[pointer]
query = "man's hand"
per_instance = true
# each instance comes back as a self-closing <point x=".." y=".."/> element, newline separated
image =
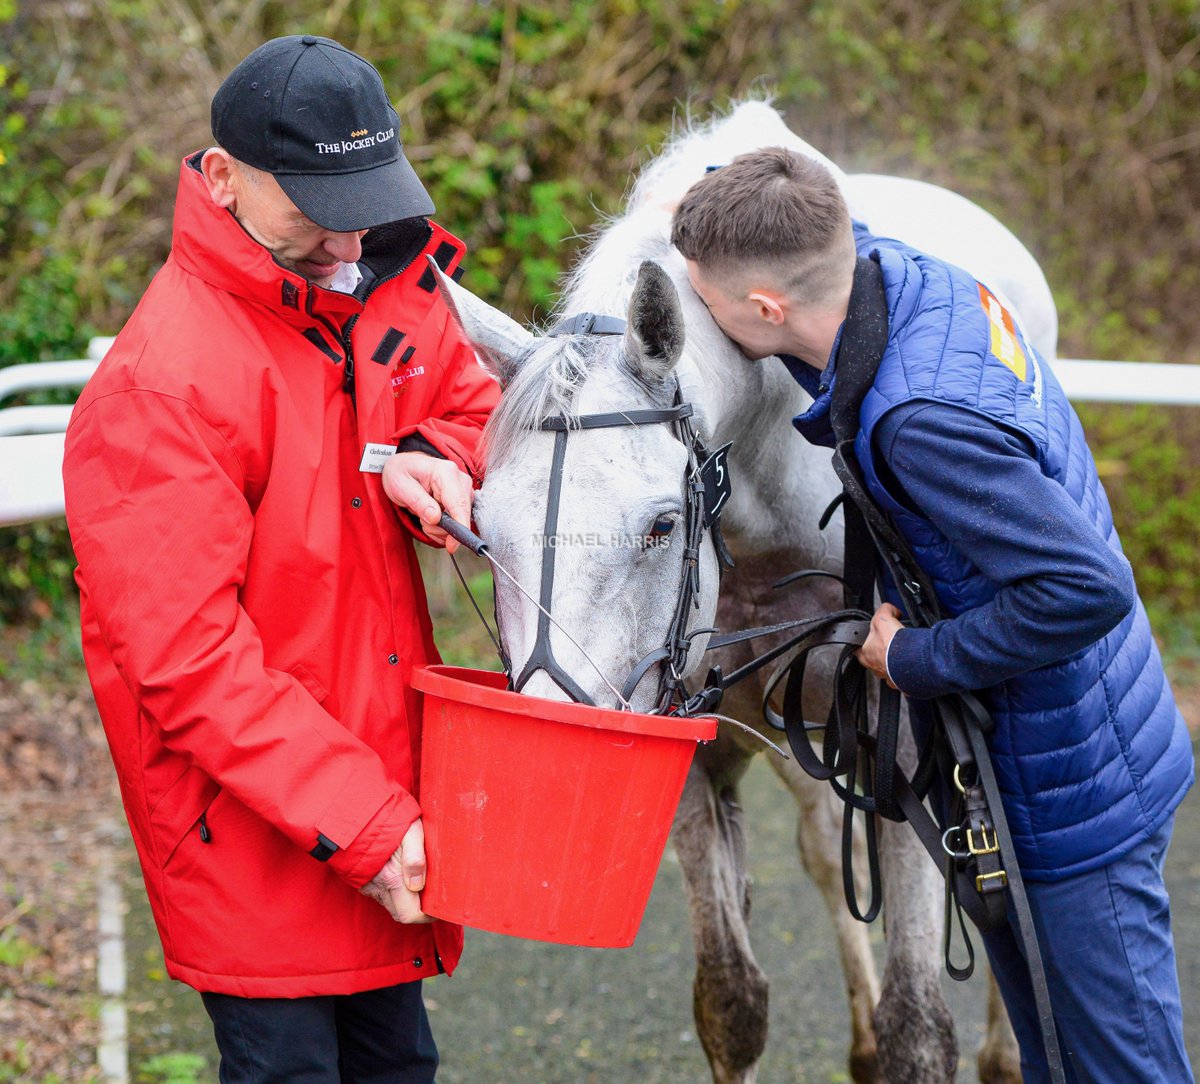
<point x="873" y="653"/>
<point x="428" y="486"/>
<point x="402" y="877"/>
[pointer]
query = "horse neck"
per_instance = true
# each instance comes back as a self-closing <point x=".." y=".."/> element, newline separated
<point x="781" y="483"/>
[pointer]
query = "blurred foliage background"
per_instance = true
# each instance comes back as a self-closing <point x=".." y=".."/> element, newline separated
<point x="1076" y="122"/>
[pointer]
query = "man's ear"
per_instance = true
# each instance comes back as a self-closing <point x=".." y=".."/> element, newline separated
<point x="218" y="170"/>
<point x="772" y="307"/>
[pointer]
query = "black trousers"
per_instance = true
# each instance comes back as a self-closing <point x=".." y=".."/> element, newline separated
<point x="376" y="1037"/>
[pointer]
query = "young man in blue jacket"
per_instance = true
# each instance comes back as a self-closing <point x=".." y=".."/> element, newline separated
<point x="967" y="440"/>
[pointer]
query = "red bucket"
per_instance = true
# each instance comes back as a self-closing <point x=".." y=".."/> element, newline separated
<point x="543" y="819"/>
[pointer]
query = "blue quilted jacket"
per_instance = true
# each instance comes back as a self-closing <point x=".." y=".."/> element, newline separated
<point x="1091" y="752"/>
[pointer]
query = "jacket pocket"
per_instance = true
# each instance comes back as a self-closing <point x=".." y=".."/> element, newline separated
<point x="179" y="810"/>
<point x="303" y="675"/>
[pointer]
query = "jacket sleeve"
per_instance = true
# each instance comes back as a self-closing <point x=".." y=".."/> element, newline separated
<point x="162" y="531"/>
<point x="1060" y="585"/>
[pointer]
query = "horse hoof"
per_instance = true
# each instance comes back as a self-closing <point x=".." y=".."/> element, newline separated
<point x="864" y="1067"/>
<point x="998" y="1067"/>
<point x="915" y="1034"/>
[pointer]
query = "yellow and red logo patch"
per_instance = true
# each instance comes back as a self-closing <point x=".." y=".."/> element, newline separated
<point x="1004" y="344"/>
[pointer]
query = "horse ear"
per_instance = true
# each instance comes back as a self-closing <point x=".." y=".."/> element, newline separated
<point x="499" y="341"/>
<point x="654" y="337"/>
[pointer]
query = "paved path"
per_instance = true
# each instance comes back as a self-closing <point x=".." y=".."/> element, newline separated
<point x="520" y="1012"/>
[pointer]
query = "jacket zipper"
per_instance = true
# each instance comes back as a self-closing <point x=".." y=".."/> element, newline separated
<point x="343" y="337"/>
<point x="205" y="834"/>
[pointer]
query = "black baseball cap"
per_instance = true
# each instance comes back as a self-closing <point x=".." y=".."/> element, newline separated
<point x="317" y="118"/>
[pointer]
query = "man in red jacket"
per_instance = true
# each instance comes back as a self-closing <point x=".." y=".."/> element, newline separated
<point x="289" y="403"/>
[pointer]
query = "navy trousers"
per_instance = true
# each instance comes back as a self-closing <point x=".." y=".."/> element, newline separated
<point x="1105" y="939"/>
<point x="376" y="1037"/>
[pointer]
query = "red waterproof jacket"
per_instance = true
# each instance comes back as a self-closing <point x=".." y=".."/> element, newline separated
<point x="251" y="603"/>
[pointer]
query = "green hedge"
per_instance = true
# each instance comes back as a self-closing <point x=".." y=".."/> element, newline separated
<point x="1073" y="122"/>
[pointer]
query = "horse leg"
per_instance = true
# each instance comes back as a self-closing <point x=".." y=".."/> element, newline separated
<point x="818" y="833"/>
<point x="999" y="1057"/>
<point x="913" y="1024"/>
<point x="730" y="989"/>
<point x="917" y="1043"/>
<point x="818" y="828"/>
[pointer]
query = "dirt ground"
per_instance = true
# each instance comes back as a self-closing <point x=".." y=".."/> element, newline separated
<point x="58" y="806"/>
<point x="59" y="811"/>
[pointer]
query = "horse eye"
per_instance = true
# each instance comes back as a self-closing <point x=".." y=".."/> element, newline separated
<point x="663" y="526"/>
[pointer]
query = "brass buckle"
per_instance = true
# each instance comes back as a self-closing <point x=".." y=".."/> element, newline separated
<point x="979" y="885"/>
<point x="986" y="846"/>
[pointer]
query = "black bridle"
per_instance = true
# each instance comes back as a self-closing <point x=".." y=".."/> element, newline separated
<point x="701" y="509"/>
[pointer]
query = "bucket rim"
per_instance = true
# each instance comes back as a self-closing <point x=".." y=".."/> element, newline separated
<point x="488" y="689"/>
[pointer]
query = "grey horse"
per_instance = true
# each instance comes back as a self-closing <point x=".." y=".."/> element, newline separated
<point x="627" y="482"/>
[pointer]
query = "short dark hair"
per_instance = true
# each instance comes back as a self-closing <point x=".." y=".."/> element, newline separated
<point x="770" y="207"/>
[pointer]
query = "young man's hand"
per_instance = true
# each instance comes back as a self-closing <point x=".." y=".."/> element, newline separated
<point x="428" y="486"/>
<point x="873" y="653"/>
<point x="397" y="885"/>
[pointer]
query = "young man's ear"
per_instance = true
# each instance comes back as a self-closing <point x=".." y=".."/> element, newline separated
<point x="219" y="175"/>
<point x="771" y="306"/>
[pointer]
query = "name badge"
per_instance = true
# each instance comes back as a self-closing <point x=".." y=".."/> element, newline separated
<point x="374" y="456"/>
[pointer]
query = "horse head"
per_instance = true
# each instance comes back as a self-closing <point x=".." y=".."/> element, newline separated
<point x="589" y="501"/>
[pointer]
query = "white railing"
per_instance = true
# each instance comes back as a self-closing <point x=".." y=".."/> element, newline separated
<point x="31" y="437"/>
<point x="1089" y="381"/>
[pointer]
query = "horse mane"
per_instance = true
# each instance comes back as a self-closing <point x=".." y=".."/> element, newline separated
<point x="607" y="270"/>
<point x="548" y="378"/>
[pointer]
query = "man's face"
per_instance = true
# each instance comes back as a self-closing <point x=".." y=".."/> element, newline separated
<point x="297" y="243"/>
<point x="742" y="317"/>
